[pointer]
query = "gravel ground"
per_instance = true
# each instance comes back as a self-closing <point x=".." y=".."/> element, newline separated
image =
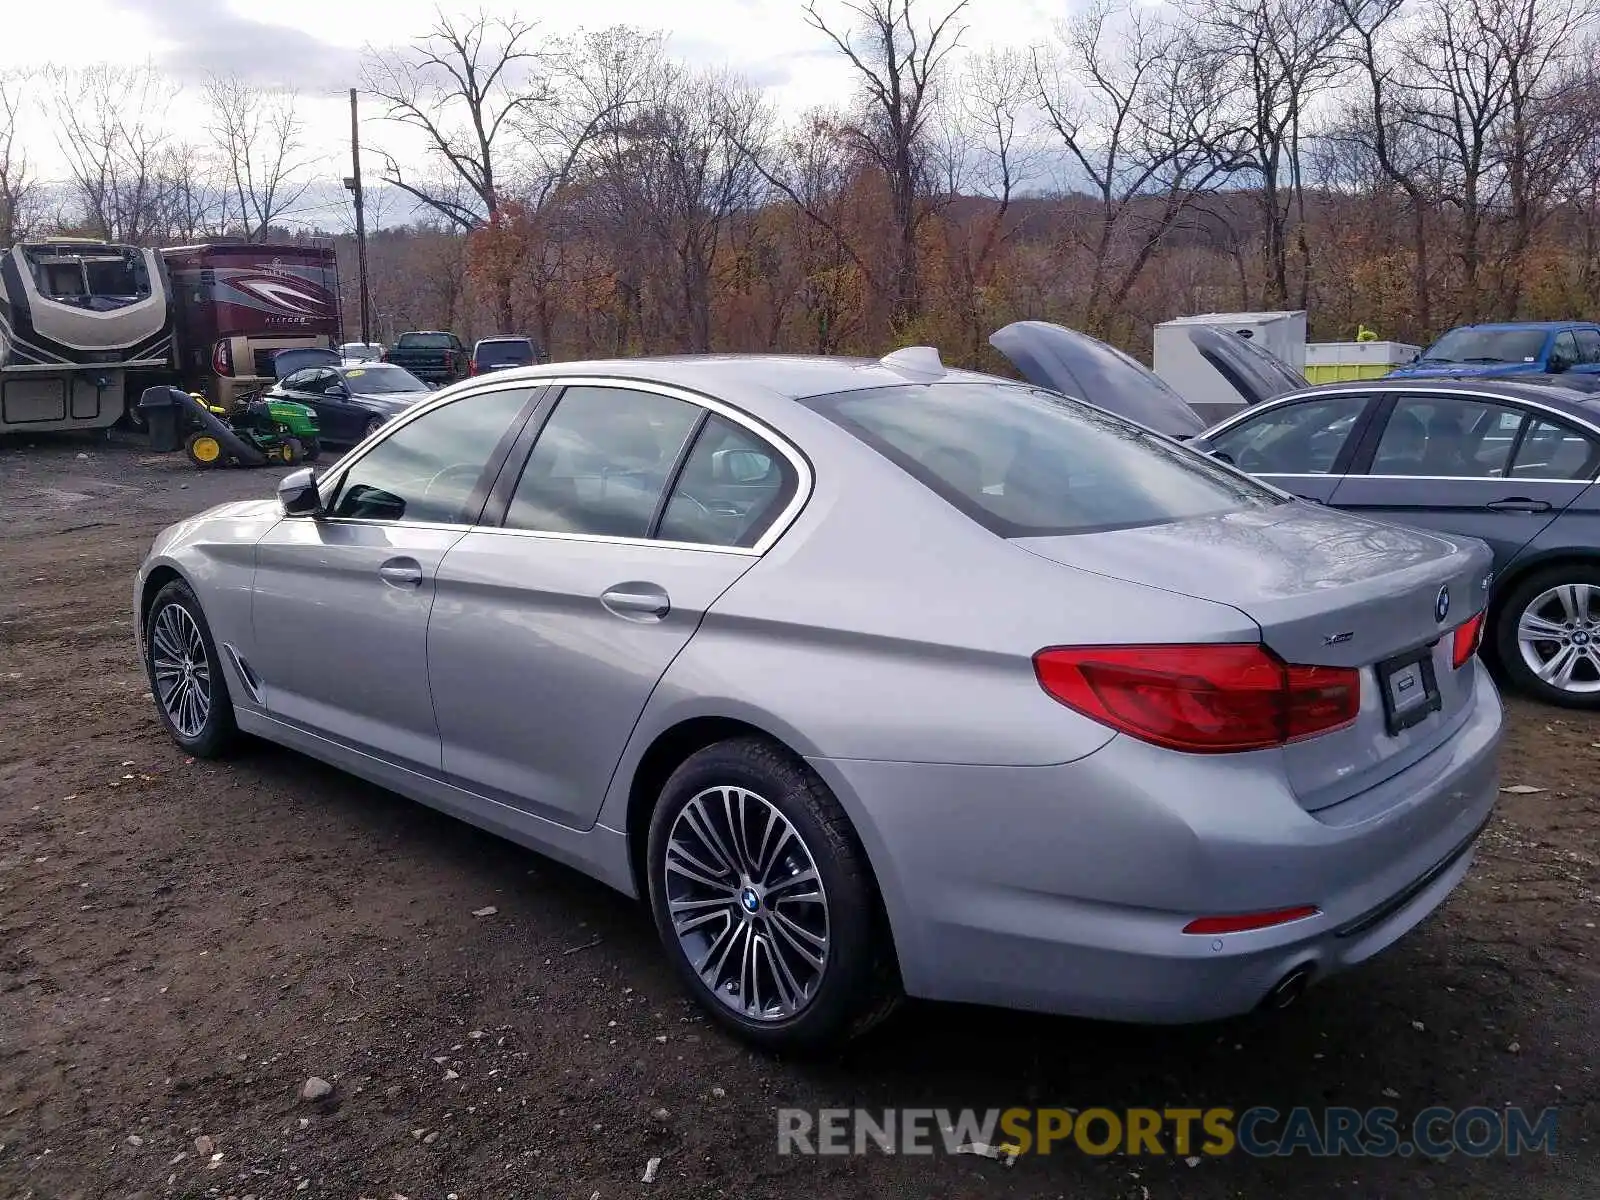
<point x="183" y="944"/>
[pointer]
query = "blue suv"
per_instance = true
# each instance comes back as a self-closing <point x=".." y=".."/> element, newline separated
<point x="1510" y="348"/>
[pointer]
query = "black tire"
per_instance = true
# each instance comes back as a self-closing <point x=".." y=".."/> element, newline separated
<point x="312" y="450"/>
<point x="218" y="733"/>
<point x="292" y="450"/>
<point x="858" y="985"/>
<point x="1584" y="636"/>
<point x="372" y="427"/>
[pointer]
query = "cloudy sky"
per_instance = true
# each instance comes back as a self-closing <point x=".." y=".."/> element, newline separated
<point x="315" y="46"/>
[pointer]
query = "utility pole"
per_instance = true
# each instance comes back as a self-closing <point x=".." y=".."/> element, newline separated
<point x="353" y="184"/>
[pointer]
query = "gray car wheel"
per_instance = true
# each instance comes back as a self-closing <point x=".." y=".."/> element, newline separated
<point x="764" y="900"/>
<point x="186" y="681"/>
<point x="1547" y="636"/>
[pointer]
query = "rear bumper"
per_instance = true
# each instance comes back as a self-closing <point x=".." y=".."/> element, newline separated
<point x="1065" y="889"/>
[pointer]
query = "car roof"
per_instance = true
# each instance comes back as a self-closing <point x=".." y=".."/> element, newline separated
<point x="504" y="337"/>
<point x="1544" y="391"/>
<point x="1543" y="325"/>
<point x="732" y="376"/>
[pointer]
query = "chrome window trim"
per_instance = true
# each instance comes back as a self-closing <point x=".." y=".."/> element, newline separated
<point x="804" y="479"/>
<point x="1474" y="394"/>
<point x="804" y="483"/>
<point x="1471" y="394"/>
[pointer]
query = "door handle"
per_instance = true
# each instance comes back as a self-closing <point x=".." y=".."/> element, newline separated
<point x="401" y="572"/>
<point x="636" y="602"/>
<point x="1519" y="504"/>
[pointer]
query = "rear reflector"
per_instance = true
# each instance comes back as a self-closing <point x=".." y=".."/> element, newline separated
<point x="1205" y="699"/>
<point x="1241" y="922"/>
<point x="1468" y="637"/>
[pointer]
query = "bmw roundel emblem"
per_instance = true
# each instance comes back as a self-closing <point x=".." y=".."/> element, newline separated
<point x="1441" y="606"/>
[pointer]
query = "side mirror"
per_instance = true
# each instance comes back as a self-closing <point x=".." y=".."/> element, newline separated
<point x="297" y="494"/>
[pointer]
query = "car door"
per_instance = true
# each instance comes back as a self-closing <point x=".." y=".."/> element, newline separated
<point x="1479" y="465"/>
<point x="555" y="621"/>
<point x="346" y="418"/>
<point x="1302" y="446"/>
<point x="341" y="602"/>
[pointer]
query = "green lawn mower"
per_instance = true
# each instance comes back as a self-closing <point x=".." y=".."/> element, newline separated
<point x="256" y="432"/>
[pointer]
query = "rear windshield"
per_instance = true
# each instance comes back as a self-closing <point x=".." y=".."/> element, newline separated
<point x="1488" y="346"/>
<point x="383" y="377"/>
<point x="425" y="341"/>
<point x="520" y="353"/>
<point x="1024" y="462"/>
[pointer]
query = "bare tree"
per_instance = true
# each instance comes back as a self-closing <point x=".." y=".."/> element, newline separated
<point x="898" y="62"/>
<point x="1136" y="110"/>
<point x="111" y="127"/>
<point x="1274" y="57"/>
<point x="16" y="180"/>
<point x="463" y="87"/>
<point x="260" y="140"/>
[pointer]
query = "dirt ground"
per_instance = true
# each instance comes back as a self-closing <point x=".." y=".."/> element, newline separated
<point x="183" y="944"/>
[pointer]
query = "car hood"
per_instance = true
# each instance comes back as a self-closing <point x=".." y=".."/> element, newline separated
<point x="1075" y="364"/>
<point x="286" y="362"/>
<point x="388" y="403"/>
<point x="1253" y="371"/>
<point x="1465" y="370"/>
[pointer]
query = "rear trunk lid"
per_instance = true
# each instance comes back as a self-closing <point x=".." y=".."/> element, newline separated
<point x="1326" y="589"/>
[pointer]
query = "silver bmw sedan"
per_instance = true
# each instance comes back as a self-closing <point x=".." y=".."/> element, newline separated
<point x="871" y="678"/>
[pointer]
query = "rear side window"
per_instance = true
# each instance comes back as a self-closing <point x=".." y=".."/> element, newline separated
<point x="732" y="487"/>
<point x="1029" y="463"/>
<point x="520" y="353"/>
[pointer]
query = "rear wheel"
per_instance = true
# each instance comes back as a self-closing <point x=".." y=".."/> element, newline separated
<point x="203" y="450"/>
<point x="1547" y="636"/>
<point x="764" y="901"/>
<point x="185" y="673"/>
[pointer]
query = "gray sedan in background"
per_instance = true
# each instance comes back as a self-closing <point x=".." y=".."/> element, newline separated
<point x="870" y="677"/>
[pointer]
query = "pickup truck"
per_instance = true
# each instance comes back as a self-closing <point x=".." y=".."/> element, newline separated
<point x="431" y="355"/>
<point x="1509" y="348"/>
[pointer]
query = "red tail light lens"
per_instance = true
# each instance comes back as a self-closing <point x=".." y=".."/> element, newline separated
<point x="1246" y="921"/>
<point x="1468" y="637"/>
<point x="473" y="368"/>
<point x="1205" y="699"/>
<point x="222" y="358"/>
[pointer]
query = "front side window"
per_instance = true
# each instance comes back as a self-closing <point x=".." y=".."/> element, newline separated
<point x="429" y="468"/>
<point x="1293" y="439"/>
<point x="601" y="463"/>
<point x="1564" y="353"/>
<point x="1024" y="462"/>
<point x="1588" y="345"/>
<point x="1447" y="438"/>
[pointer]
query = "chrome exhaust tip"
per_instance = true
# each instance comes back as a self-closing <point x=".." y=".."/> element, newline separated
<point x="1289" y="989"/>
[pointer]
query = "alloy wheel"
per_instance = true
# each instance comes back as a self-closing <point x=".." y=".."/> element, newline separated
<point x="747" y="904"/>
<point x="181" y="670"/>
<point x="1558" y="636"/>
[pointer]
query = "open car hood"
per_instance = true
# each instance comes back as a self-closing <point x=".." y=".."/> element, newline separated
<point x="1254" y="372"/>
<point x="286" y="362"/>
<point x="1064" y="360"/>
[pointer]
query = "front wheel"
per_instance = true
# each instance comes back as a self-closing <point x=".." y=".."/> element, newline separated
<point x="764" y="901"/>
<point x="1547" y="636"/>
<point x="203" y="450"/>
<point x="371" y="427"/>
<point x="185" y="673"/>
<point x="311" y="450"/>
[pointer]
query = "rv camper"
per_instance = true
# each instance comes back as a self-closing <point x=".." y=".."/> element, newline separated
<point x="239" y="304"/>
<point x="77" y="317"/>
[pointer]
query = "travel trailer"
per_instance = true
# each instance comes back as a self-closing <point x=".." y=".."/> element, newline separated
<point x="78" y="317"/>
<point x="239" y="303"/>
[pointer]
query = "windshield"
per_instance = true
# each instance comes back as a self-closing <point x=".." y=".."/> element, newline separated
<point x="1024" y="462"/>
<point x="425" y="341"/>
<point x="1488" y="346"/>
<point x="519" y="352"/>
<point x="381" y="378"/>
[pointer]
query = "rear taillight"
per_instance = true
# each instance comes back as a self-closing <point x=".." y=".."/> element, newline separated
<point x="1205" y="699"/>
<point x="472" y="368"/>
<point x="1468" y="637"/>
<point x="383" y="355"/>
<point x="222" y="358"/>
